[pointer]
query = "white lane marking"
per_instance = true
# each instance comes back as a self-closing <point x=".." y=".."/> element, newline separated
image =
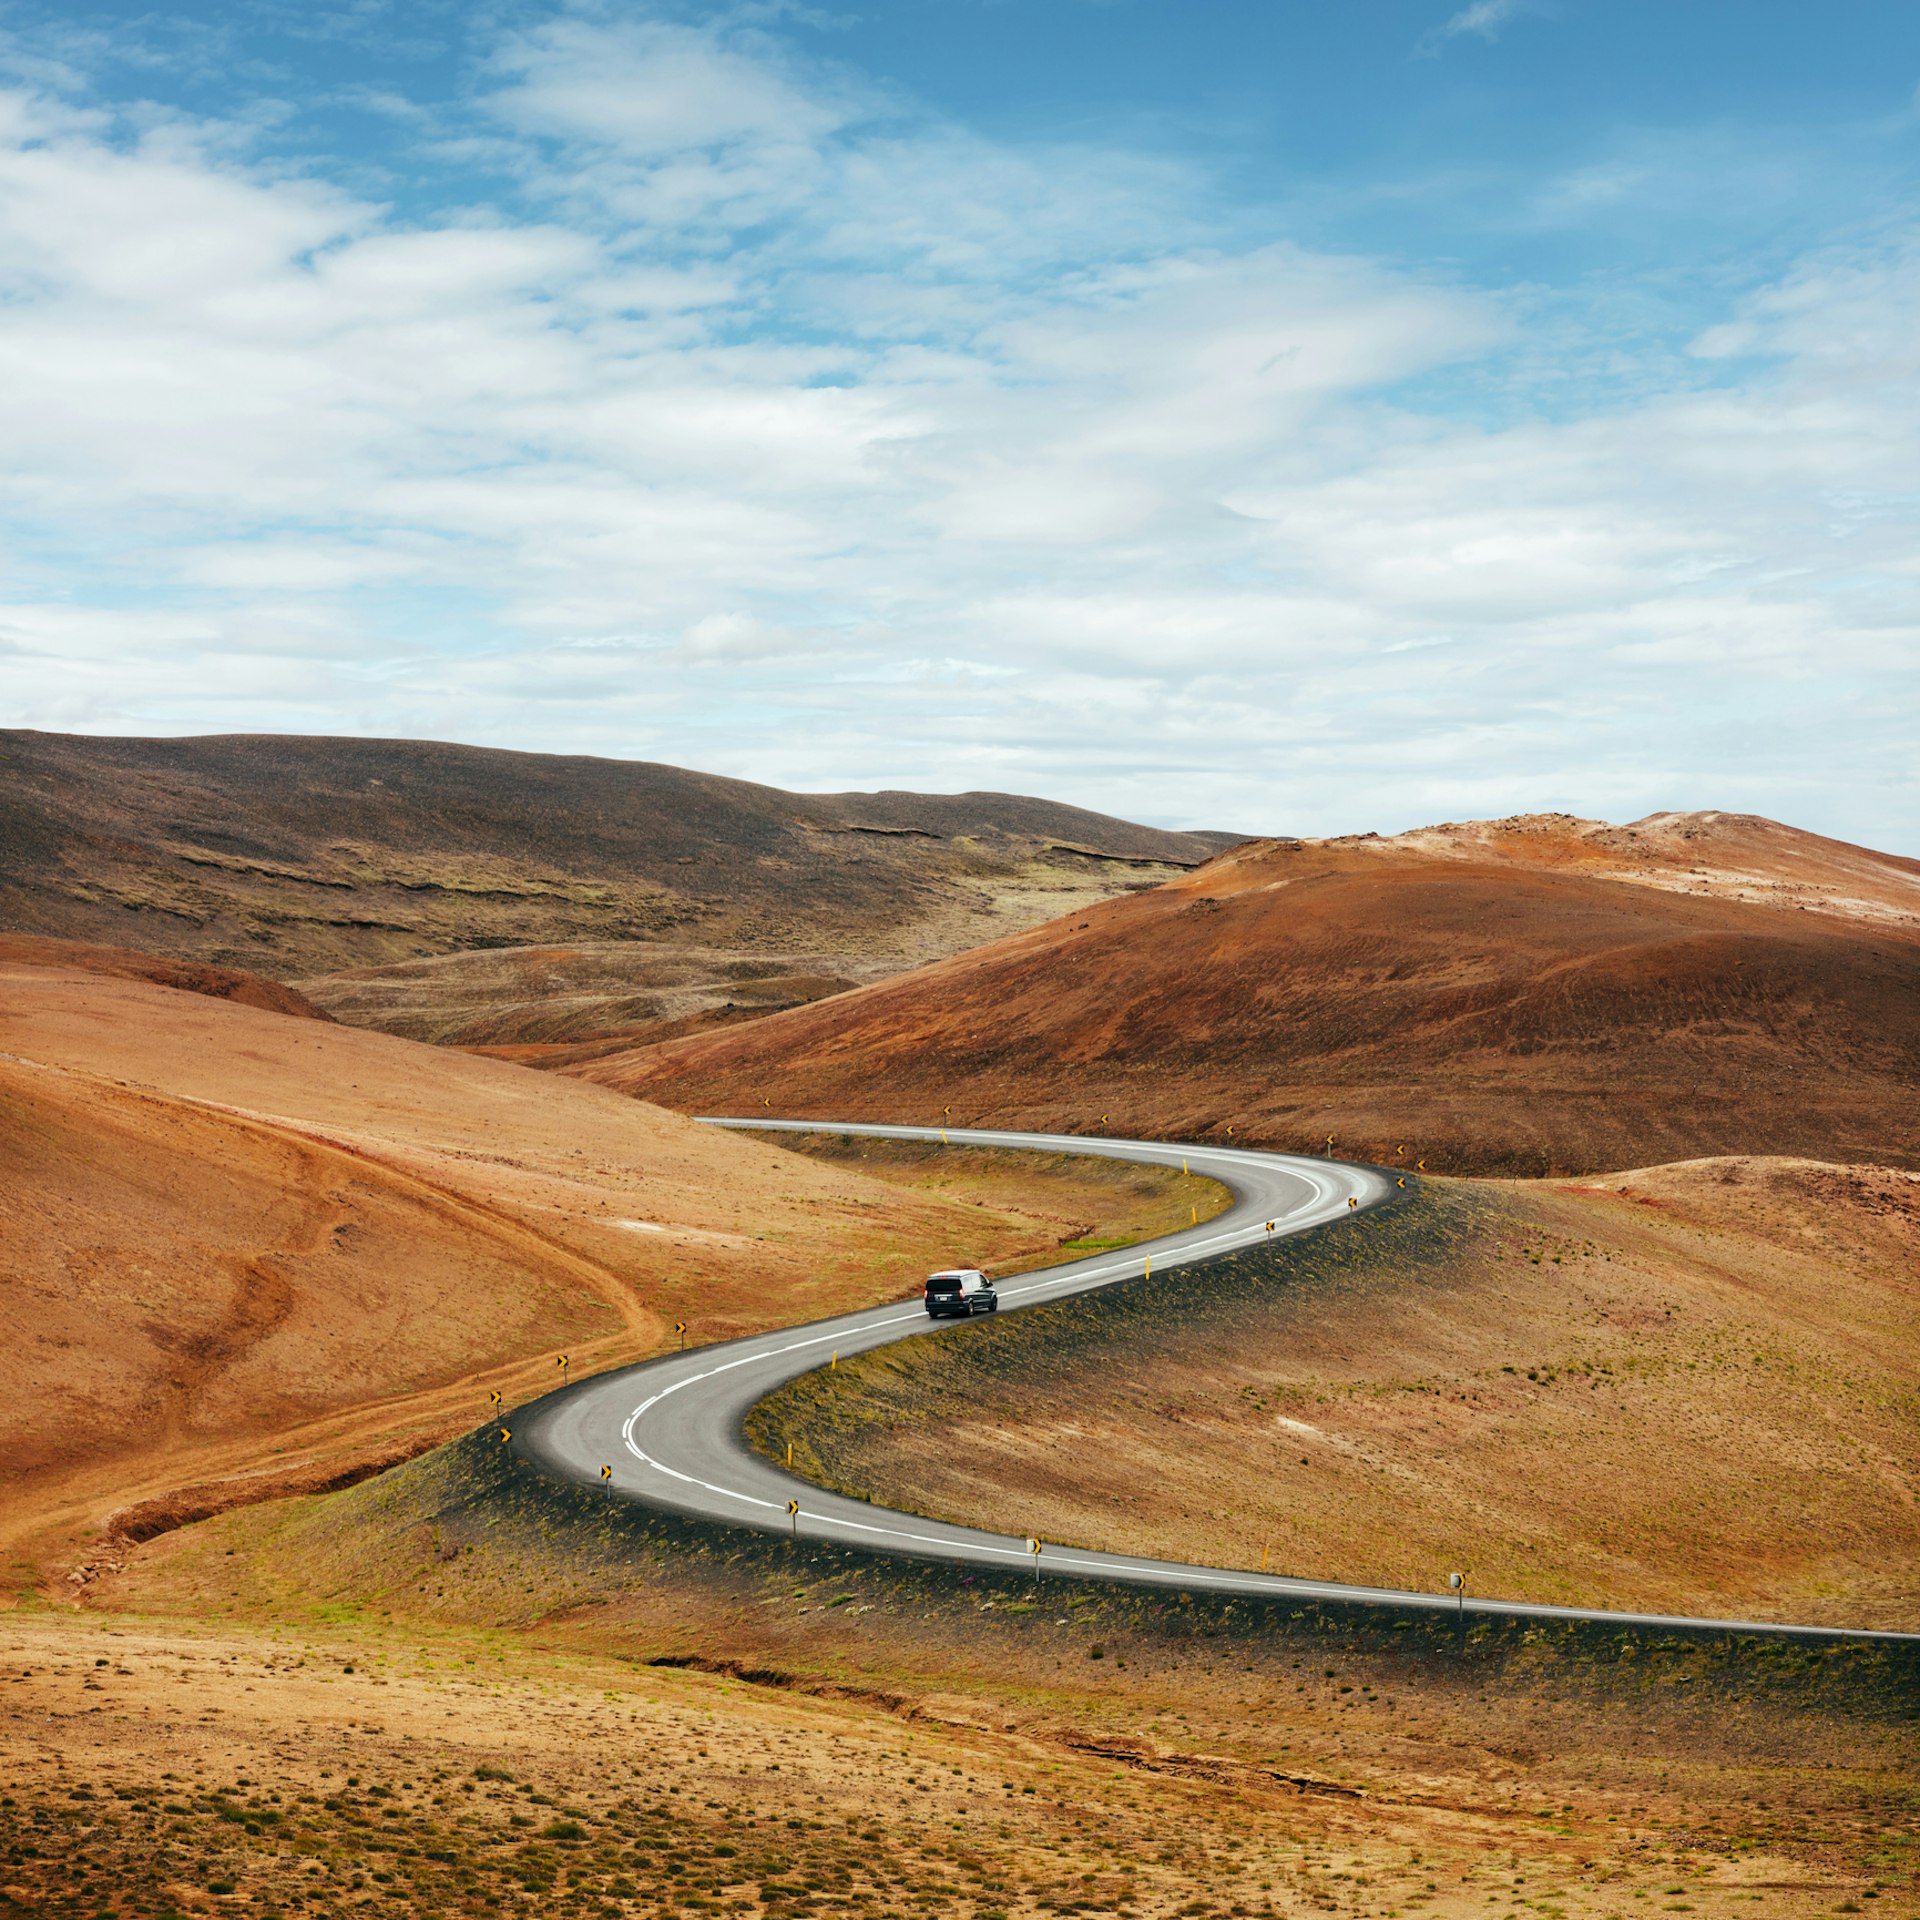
<point x="1169" y="1573"/>
<point x="1323" y="1192"/>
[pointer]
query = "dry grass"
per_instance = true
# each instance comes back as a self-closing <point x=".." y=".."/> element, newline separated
<point x="1689" y="1389"/>
<point x="1087" y="1204"/>
<point x="380" y="1658"/>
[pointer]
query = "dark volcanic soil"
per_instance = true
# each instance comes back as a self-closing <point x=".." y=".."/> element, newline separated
<point x="1536" y="996"/>
<point x="297" y="856"/>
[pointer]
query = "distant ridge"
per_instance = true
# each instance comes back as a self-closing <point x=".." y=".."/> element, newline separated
<point x="293" y="856"/>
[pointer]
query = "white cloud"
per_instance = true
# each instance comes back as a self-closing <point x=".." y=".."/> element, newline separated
<point x="655" y="89"/>
<point x="763" y="397"/>
<point x="1483" y="17"/>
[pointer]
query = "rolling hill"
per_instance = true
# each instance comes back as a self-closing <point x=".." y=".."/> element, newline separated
<point x="1529" y="996"/>
<point x="246" y="1251"/>
<point x="296" y="856"/>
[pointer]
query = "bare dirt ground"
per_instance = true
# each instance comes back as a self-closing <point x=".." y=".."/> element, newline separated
<point x="1685" y="1389"/>
<point x="538" y="1004"/>
<point x="1529" y="997"/>
<point x="187" y="976"/>
<point x="245" y="1253"/>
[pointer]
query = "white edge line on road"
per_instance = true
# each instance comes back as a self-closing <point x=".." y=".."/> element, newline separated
<point x="1324" y="1192"/>
<point x="1320" y="1210"/>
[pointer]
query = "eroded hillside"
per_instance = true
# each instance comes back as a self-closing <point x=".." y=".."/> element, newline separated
<point x="608" y="882"/>
<point x="1535" y="996"/>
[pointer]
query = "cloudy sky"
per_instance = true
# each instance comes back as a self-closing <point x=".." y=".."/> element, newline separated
<point x="1265" y="414"/>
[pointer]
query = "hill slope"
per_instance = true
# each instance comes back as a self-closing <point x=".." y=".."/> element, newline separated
<point x="1529" y="996"/>
<point x="187" y="976"/>
<point x="240" y="1250"/>
<point x="297" y="856"/>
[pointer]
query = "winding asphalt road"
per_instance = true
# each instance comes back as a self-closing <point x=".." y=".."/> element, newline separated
<point x="671" y="1429"/>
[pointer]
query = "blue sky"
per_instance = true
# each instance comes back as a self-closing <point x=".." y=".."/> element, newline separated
<point x="1289" y="417"/>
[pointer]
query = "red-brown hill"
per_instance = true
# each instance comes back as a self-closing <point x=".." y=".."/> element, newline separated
<point x="186" y="976"/>
<point x="242" y="1254"/>
<point x="1527" y="996"/>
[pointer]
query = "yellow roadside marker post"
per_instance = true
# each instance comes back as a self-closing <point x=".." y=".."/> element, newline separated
<point x="833" y="1365"/>
<point x="1264" y="1551"/>
<point x="789" y="1453"/>
<point x="793" y="1514"/>
<point x="1148" y="1275"/>
<point x="1196" y="1216"/>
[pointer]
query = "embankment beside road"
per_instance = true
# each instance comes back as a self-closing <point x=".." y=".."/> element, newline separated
<point x="1681" y="1390"/>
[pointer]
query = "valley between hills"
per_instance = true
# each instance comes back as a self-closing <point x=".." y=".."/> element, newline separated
<point x="292" y="1185"/>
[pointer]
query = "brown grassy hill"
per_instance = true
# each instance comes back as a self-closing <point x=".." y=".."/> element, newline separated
<point x="240" y="1251"/>
<point x="1531" y="996"/>
<point x="296" y="856"/>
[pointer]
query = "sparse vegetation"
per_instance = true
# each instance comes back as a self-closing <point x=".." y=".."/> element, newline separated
<point x="1499" y="1377"/>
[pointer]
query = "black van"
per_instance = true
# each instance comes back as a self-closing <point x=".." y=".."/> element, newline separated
<point x="960" y="1290"/>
